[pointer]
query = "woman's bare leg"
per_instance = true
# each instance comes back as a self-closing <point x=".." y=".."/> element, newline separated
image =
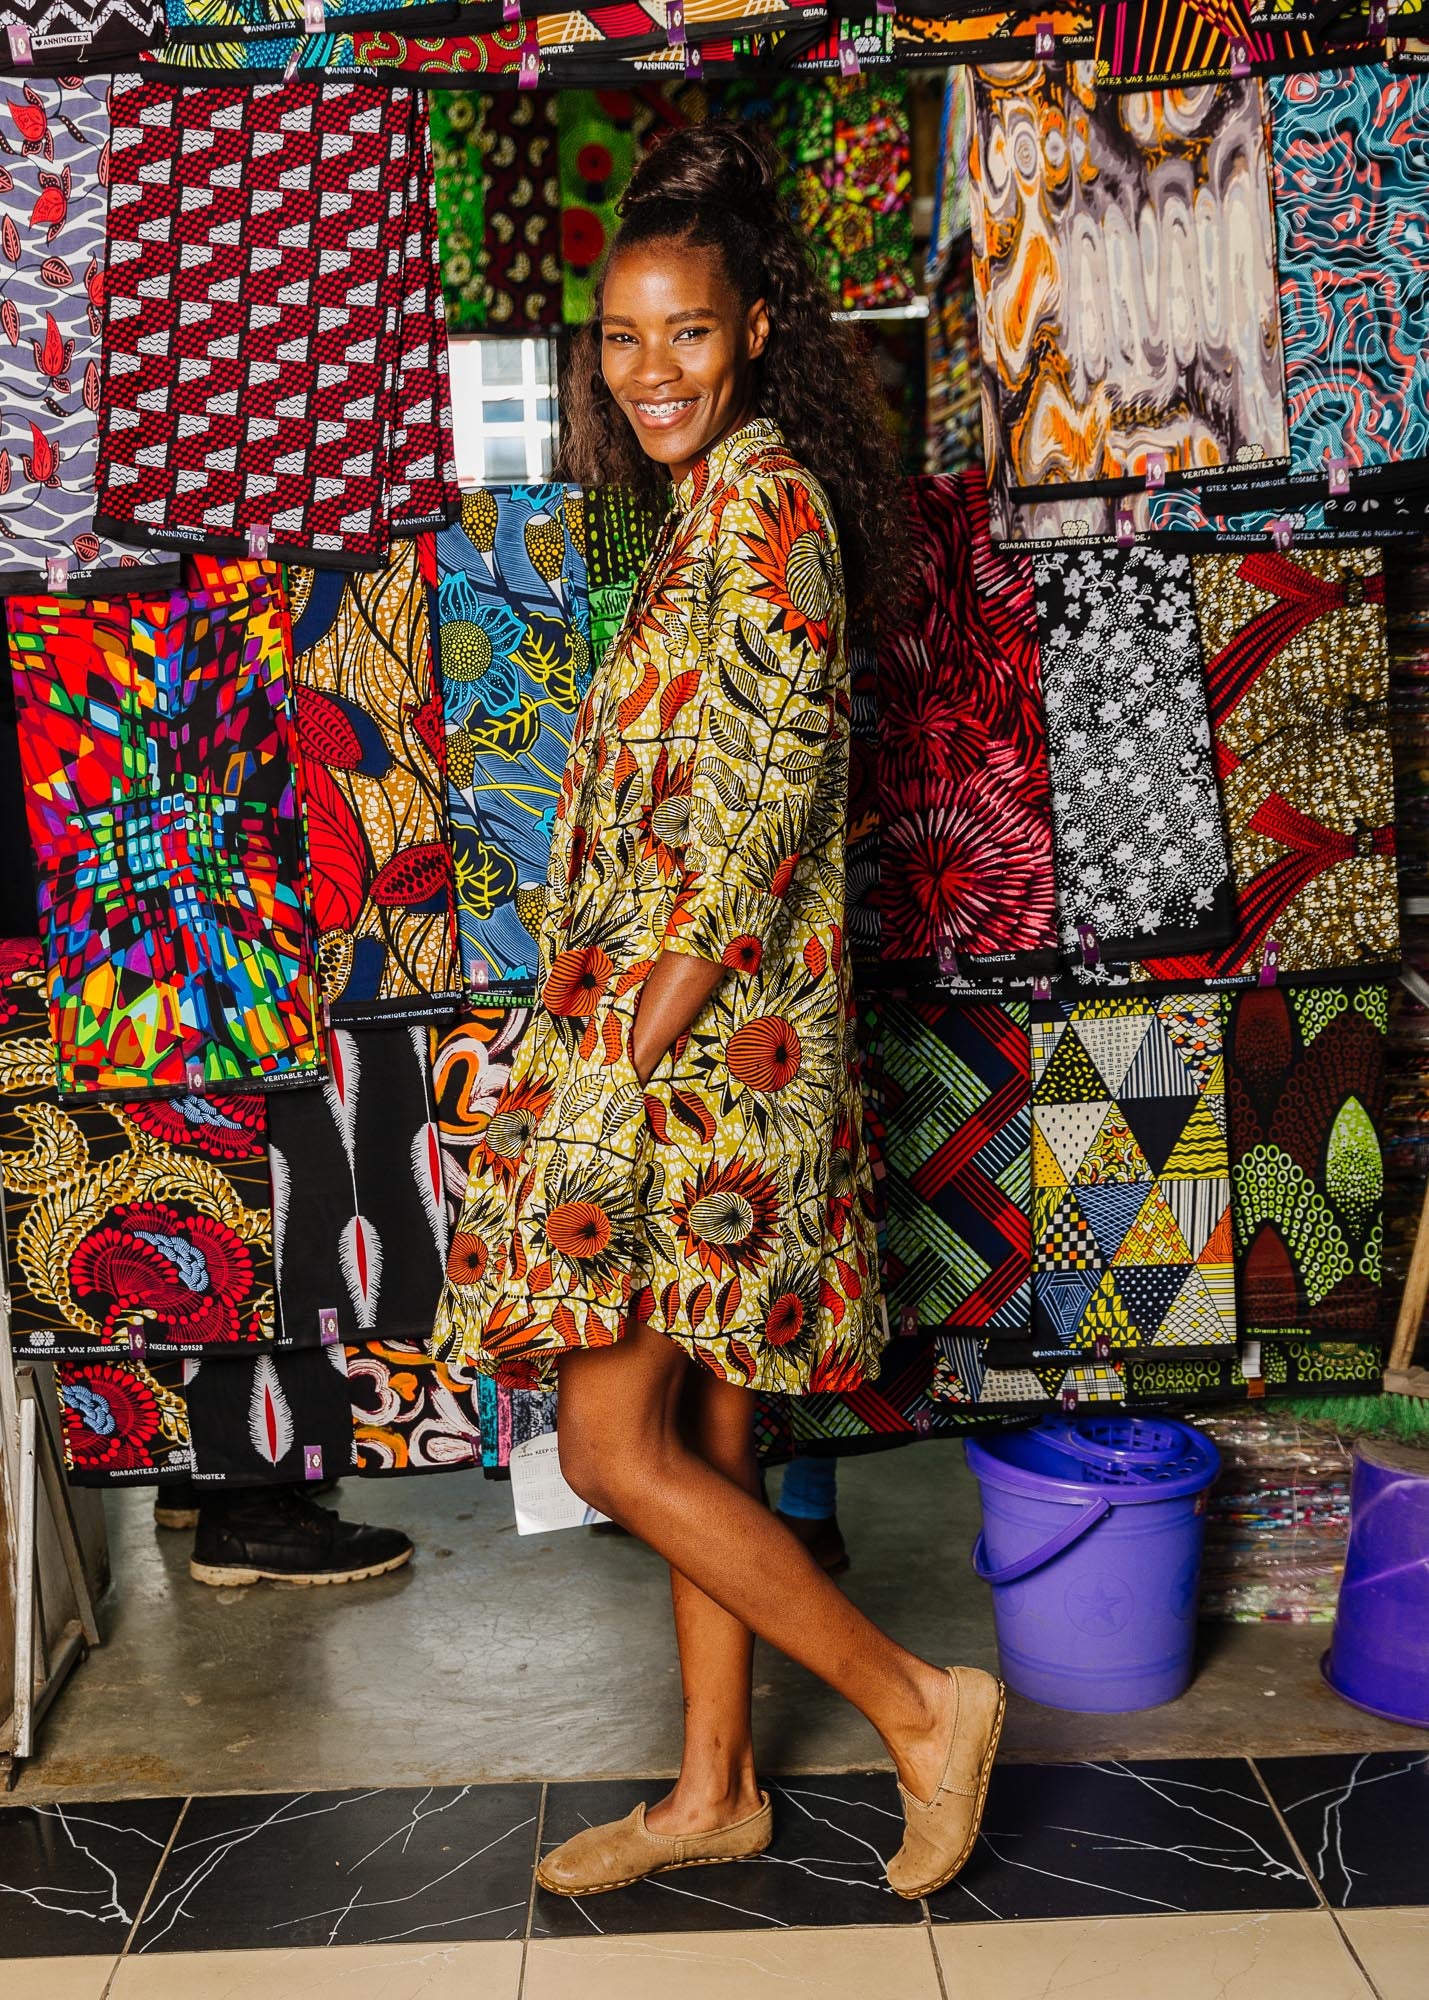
<point x="622" y="1450"/>
<point x="717" y="1785"/>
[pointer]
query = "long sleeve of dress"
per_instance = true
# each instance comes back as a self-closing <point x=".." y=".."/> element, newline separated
<point x="771" y="759"/>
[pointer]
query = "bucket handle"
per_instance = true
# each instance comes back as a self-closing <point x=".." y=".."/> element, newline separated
<point x="1081" y="1524"/>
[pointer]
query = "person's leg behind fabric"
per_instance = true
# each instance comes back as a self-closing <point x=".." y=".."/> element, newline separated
<point x="808" y="1507"/>
<point x="622" y="1450"/>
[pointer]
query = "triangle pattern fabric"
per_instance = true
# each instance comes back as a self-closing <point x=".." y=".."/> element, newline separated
<point x="1067" y="1243"/>
<point x="1112" y="1045"/>
<point x="1192" y="1320"/>
<point x="1047" y="1169"/>
<point x="1114" y="1154"/>
<point x="1149" y="1290"/>
<point x="1155" y="1237"/>
<point x="1200" y="1152"/>
<point x="1059" y="1300"/>
<point x="1200" y="1211"/>
<point x="1158" y="1123"/>
<point x="1111" y="1210"/>
<point x="1107" y="1317"/>
<point x="1071" y="1077"/>
<point x="1158" y="1070"/>
<point x="1069" y="1130"/>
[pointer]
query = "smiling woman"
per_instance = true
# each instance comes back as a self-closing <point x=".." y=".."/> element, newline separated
<point x="684" y="1213"/>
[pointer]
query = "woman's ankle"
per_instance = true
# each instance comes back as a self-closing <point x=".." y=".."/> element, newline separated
<point x="700" y="1802"/>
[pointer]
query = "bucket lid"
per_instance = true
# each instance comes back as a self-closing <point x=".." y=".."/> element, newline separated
<point x="1143" y="1458"/>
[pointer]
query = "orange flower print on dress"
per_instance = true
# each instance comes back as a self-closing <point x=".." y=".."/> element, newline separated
<point x="727" y="1200"/>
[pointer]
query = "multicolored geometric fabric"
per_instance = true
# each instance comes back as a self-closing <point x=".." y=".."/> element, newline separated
<point x="237" y="20"/>
<point x="620" y="534"/>
<point x="456" y="121"/>
<point x="1140" y="43"/>
<point x="52" y="206"/>
<point x="1287" y="1368"/>
<point x="359" y="1223"/>
<point x="702" y="809"/>
<point x="65" y="36"/>
<point x="1346" y="147"/>
<point x="373" y="747"/>
<point x="1299" y="681"/>
<point x="954" y="405"/>
<point x="260" y="376"/>
<point x="965" y="840"/>
<point x="964" y="34"/>
<point x="144" y="1227"/>
<point x="1131" y="1241"/>
<point x="1087" y="364"/>
<point x="515" y="664"/>
<point x="968" y="1372"/>
<point x="957" y="1096"/>
<point x="1142" y="857"/>
<point x="853" y="188"/>
<point x="157" y="741"/>
<point x="1305" y="1091"/>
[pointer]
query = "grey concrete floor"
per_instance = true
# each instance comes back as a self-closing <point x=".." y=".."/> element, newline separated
<point x="495" y="1657"/>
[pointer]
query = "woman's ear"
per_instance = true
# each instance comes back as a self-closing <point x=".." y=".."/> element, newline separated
<point x="758" y="329"/>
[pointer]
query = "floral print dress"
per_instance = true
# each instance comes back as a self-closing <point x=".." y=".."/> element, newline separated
<point x="702" y="811"/>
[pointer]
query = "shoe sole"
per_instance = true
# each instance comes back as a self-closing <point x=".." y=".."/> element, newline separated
<point x="176" y="1517"/>
<point x="220" y="1574"/>
<point x="665" y="1868"/>
<point x="984" y="1777"/>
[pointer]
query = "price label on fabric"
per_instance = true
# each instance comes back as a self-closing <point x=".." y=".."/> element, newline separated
<point x="19" y="40"/>
<point x="675" y="23"/>
<point x="1339" y="470"/>
<point x="1240" y="58"/>
<point x="543" y="1500"/>
<point x="328" y="1329"/>
<point x="510" y="11"/>
<point x="195" y="1079"/>
<point x="312" y="1461"/>
<point x="1044" y="41"/>
<point x="1155" y="471"/>
<point x="314" y="17"/>
<point x="57" y="574"/>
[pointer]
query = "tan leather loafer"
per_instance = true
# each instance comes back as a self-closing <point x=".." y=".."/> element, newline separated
<point x="940" y="1833"/>
<point x="626" y="1851"/>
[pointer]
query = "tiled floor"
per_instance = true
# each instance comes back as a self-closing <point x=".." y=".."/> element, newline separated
<point x="1297" y="1878"/>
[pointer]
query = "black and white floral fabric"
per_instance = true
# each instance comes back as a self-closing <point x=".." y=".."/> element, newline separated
<point x="1141" y="849"/>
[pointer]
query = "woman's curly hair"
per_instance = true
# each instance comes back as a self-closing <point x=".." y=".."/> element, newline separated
<point x="716" y="186"/>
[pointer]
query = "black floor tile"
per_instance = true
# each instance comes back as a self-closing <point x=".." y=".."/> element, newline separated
<point x="1361" y="1822"/>
<point x="833" y="1838"/>
<point x="1118" y="1839"/>
<point x="72" y="1877"/>
<point x="321" y="1868"/>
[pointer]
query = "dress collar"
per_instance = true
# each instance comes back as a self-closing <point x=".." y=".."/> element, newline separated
<point x="725" y="461"/>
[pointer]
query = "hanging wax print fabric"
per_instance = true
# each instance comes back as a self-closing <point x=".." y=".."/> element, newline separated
<point x="1131" y="1225"/>
<point x="156" y="739"/>
<point x="603" y="134"/>
<point x="1305" y="1090"/>
<point x="965" y="34"/>
<point x="1140" y="43"/>
<point x="370" y="731"/>
<point x="1348" y="148"/>
<point x="53" y="136"/>
<point x="1111" y="367"/>
<point x="143" y="1226"/>
<point x="270" y="384"/>
<point x="1299" y="681"/>
<point x="410" y="1412"/>
<point x="1142" y="857"/>
<point x="456" y="118"/>
<point x="521" y="243"/>
<point x="957" y="1099"/>
<point x="271" y="1421"/>
<point x="48" y="37"/>
<point x="359" y="1223"/>
<point x="620" y="533"/>
<point x="872" y="217"/>
<point x="965" y="841"/>
<point x="515" y="665"/>
<point x="123" y="1420"/>
<point x="1286" y="1368"/>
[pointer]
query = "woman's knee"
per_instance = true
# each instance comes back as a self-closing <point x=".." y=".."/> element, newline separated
<point x="584" y="1466"/>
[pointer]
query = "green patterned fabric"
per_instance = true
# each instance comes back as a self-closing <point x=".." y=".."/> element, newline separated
<point x="456" y="119"/>
<point x="621" y="530"/>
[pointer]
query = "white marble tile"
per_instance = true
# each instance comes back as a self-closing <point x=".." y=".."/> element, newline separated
<point x="1272" y="1955"/>
<point x="338" y="1972"/>
<point x="1393" y="1947"/>
<point x="862" y="1964"/>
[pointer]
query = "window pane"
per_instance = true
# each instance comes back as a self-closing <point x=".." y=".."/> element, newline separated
<point x="502" y="413"/>
<point x="505" y="457"/>
<point x="501" y="362"/>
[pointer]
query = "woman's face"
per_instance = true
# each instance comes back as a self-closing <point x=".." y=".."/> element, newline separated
<point x="678" y="349"/>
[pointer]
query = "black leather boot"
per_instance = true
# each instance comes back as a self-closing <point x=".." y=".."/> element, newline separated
<point x="278" y="1534"/>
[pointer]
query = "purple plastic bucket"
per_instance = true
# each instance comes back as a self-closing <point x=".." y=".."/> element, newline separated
<point x="1091" y="1540"/>
<point x="1379" y="1650"/>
